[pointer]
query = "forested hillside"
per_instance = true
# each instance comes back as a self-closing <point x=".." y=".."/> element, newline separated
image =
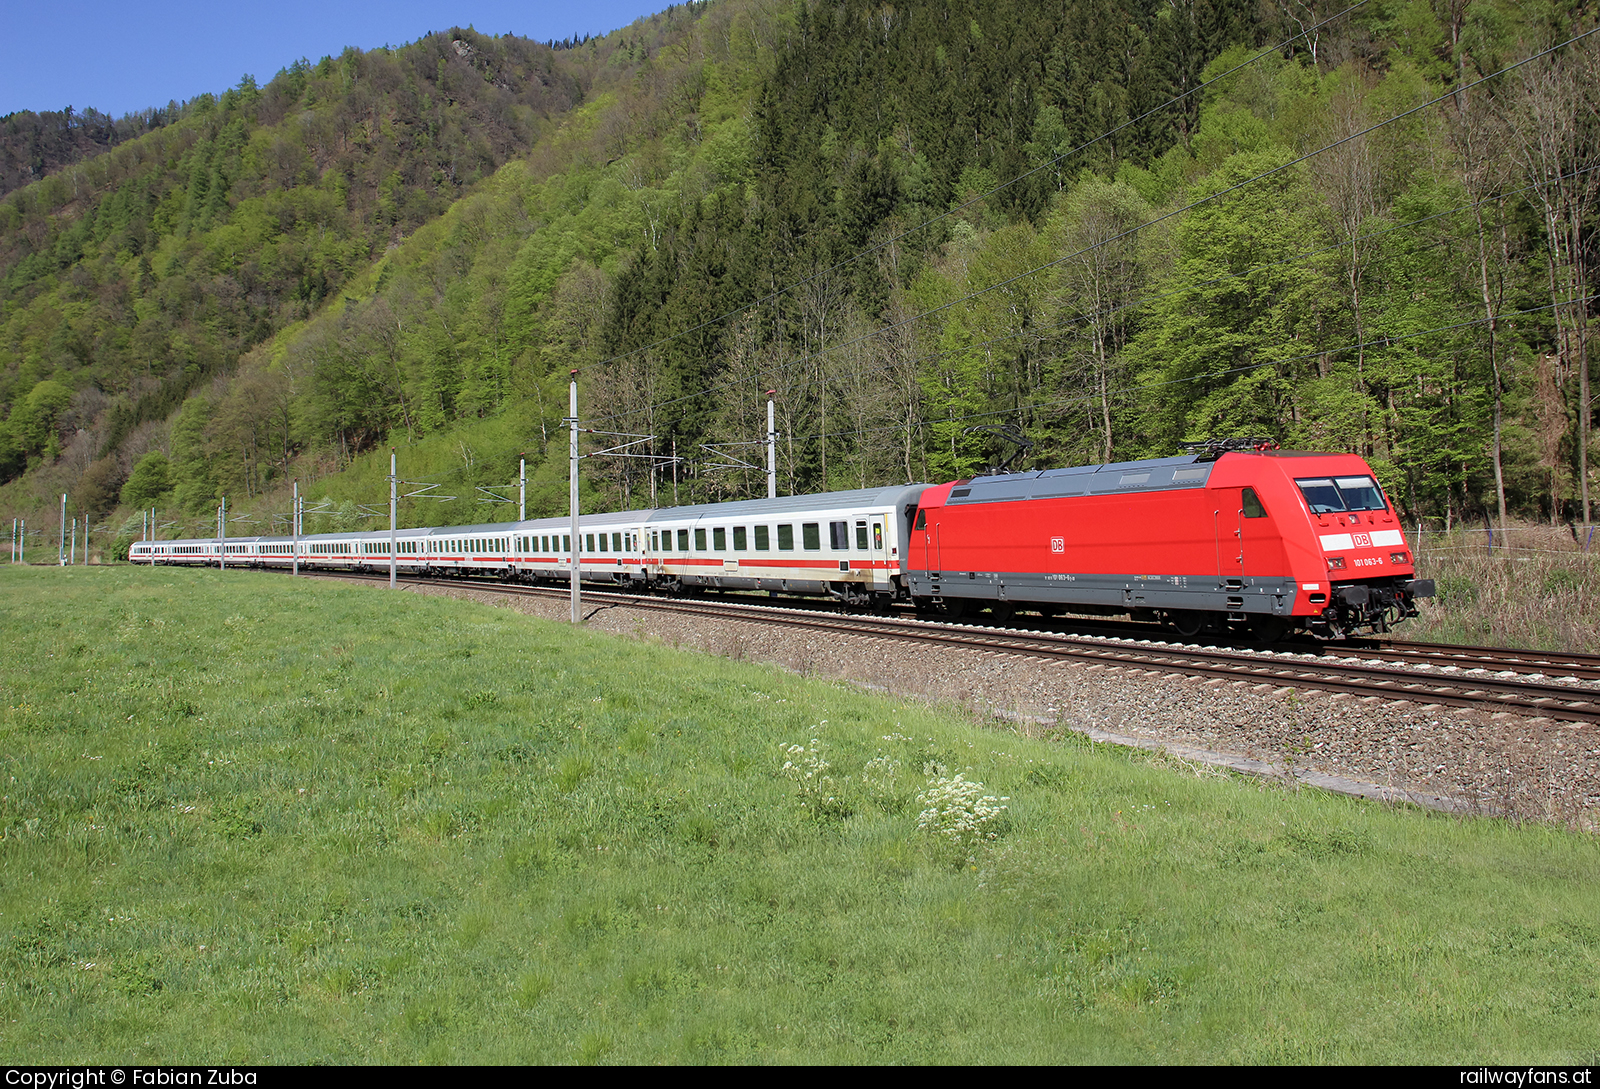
<point x="1105" y="226"/>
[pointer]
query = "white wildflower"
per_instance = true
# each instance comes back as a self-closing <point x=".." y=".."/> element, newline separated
<point x="959" y="811"/>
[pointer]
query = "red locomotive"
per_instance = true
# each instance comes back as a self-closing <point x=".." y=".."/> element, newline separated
<point x="1266" y="540"/>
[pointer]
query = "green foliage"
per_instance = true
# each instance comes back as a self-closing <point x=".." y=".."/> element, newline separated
<point x="393" y="248"/>
<point x="150" y="480"/>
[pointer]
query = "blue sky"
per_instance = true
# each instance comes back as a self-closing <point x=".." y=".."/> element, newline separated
<point x="125" y="56"/>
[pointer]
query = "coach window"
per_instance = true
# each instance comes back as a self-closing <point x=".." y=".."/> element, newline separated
<point x="588" y="542"/>
<point x="811" y="536"/>
<point x="839" y="536"/>
<point x="861" y="536"/>
<point x="683" y="540"/>
<point x="1252" y="505"/>
<point x="602" y="543"/>
<point x="877" y="536"/>
<point x="762" y="540"/>
<point x="719" y="539"/>
<point x="740" y="540"/>
<point x="699" y="540"/>
<point x="616" y="542"/>
<point x="786" y="538"/>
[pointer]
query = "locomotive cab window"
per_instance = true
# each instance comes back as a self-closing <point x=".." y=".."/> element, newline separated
<point x="1333" y="495"/>
<point x="1251" y="504"/>
<point x="922" y="520"/>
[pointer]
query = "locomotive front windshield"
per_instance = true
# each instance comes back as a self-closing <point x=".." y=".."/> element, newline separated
<point x="1331" y="495"/>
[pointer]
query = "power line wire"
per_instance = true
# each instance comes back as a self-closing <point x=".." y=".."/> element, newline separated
<point x="1381" y="341"/>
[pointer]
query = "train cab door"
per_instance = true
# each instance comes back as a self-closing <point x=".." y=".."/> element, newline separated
<point x="929" y="531"/>
<point x="1247" y="542"/>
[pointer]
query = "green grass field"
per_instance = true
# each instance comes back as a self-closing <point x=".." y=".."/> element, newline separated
<point x="248" y="819"/>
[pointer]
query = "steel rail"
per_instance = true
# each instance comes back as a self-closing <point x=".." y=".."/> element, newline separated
<point x="1526" y="697"/>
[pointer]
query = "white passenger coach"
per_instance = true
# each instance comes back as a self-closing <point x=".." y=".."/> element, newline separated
<point x="849" y="545"/>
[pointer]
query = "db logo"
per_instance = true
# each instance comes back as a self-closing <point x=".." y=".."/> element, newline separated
<point x="1362" y="540"/>
<point x="1058" y="544"/>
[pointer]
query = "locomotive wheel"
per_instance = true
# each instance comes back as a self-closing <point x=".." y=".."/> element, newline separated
<point x="948" y="610"/>
<point x="1187" y="622"/>
<point x="1268" y="629"/>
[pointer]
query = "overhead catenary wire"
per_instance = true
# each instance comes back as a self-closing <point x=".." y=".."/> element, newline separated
<point x="1375" y="342"/>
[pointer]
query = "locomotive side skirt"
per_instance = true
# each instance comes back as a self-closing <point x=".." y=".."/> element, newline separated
<point x="1203" y="593"/>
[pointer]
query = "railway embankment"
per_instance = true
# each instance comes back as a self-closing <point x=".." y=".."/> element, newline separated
<point x="1523" y="767"/>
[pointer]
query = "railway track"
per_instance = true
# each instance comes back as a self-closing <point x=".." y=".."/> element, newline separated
<point x="1515" y="681"/>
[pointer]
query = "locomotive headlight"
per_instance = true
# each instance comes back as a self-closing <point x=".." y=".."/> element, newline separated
<point x="1335" y="563"/>
<point x="1399" y="557"/>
